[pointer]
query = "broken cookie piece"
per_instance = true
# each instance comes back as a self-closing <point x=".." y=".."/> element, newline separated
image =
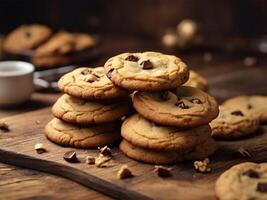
<point x="124" y="172"/>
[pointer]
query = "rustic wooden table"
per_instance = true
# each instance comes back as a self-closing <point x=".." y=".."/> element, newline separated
<point x="227" y="74"/>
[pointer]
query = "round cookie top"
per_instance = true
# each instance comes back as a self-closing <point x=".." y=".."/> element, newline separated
<point x="78" y="111"/>
<point x="233" y="123"/>
<point x="148" y="71"/>
<point x="82" y="137"/>
<point x="243" y="181"/>
<point x="26" y="37"/>
<point x="197" y="81"/>
<point x="90" y="83"/>
<point x="256" y="105"/>
<point x="185" y="107"/>
<point x="199" y="152"/>
<point x="141" y="132"/>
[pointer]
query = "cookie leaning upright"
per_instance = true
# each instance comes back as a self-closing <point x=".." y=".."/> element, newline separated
<point x="90" y="84"/>
<point x="148" y="71"/>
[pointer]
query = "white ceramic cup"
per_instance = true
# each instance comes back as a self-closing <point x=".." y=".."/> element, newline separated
<point x="16" y="82"/>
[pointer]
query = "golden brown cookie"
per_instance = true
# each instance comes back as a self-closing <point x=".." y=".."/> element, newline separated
<point x="255" y="105"/>
<point x="198" y="152"/>
<point x="233" y="123"/>
<point x="91" y="84"/>
<point x="185" y="107"/>
<point x="197" y="81"/>
<point x="79" y="111"/>
<point x="83" y="41"/>
<point x="245" y="181"/>
<point x="141" y="132"/>
<point x="69" y="135"/>
<point x="26" y="37"/>
<point x="148" y="71"/>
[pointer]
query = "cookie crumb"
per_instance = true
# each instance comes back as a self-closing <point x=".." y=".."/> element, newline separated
<point x="162" y="171"/>
<point x="105" y="151"/>
<point x="90" y="160"/>
<point x="37" y="122"/>
<point x="70" y="156"/>
<point x="40" y="148"/>
<point x="124" y="172"/>
<point x="203" y="166"/>
<point x="244" y="152"/>
<point x="4" y="126"/>
<point x="101" y="161"/>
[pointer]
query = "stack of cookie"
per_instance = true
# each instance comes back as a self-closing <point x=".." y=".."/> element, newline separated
<point x="88" y="114"/>
<point x="172" y="123"/>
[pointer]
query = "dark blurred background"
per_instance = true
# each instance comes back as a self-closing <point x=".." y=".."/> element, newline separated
<point x="139" y="17"/>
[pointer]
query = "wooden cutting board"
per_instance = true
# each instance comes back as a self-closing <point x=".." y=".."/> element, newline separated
<point x="27" y="129"/>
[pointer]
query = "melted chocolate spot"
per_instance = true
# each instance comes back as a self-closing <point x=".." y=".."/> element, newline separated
<point x="237" y="113"/>
<point x="262" y="187"/>
<point x="182" y="105"/>
<point x="110" y="73"/>
<point x="146" y="64"/>
<point x="196" y="101"/>
<point x="251" y="173"/>
<point x="132" y="58"/>
<point x="85" y="72"/>
<point x="249" y="106"/>
<point x="28" y="34"/>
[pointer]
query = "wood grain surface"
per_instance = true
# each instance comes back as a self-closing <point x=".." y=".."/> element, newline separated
<point x="25" y="133"/>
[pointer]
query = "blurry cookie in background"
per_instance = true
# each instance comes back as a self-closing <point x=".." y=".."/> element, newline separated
<point x="26" y="37"/>
<point x="233" y="123"/>
<point x="198" y="81"/>
<point x="255" y="105"/>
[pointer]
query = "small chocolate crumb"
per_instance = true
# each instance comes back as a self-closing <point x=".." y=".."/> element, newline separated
<point x="146" y="64"/>
<point x="249" y="106"/>
<point x="124" y="172"/>
<point x="110" y="73"/>
<point x="251" y="173"/>
<point x="165" y="96"/>
<point x="196" y="101"/>
<point x="132" y="58"/>
<point x="182" y="105"/>
<point x="105" y="151"/>
<point x="90" y="160"/>
<point x="70" y="156"/>
<point x="39" y="147"/>
<point x="102" y="160"/>
<point x="162" y="171"/>
<point x="244" y="152"/>
<point x="262" y="187"/>
<point x="237" y="113"/>
<point x="4" y="126"/>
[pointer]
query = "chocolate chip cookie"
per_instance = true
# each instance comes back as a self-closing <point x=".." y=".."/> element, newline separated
<point x="90" y="84"/>
<point x="197" y="81"/>
<point x="26" y="37"/>
<point x="79" y="111"/>
<point x="185" y="107"/>
<point x="148" y="71"/>
<point x="81" y="137"/>
<point x="201" y="151"/>
<point x="143" y="133"/>
<point x="233" y="123"/>
<point x="255" y="105"/>
<point x="244" y="181"/>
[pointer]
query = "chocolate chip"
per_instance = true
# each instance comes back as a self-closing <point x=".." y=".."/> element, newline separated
<point x="110" y="73"/>
<point x="262" y="187"/>
<point x="162" y="171"/>
<point x="28" y="34"/>
<point x="70" y="156"/>
<point x="85" y="72"/>
<point x="251" y="173"/>
<point x="165" y="96"/>
<point x="105" y="151"/>
<point x="237" y="113"/>
<point x="249" y="106"/>
<point x="132" y="58"/>
<point x="124" y="172"/>
<point x="196" y="101"/>
<point x="182" y="105"/>
<point x="146" y="64"/>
